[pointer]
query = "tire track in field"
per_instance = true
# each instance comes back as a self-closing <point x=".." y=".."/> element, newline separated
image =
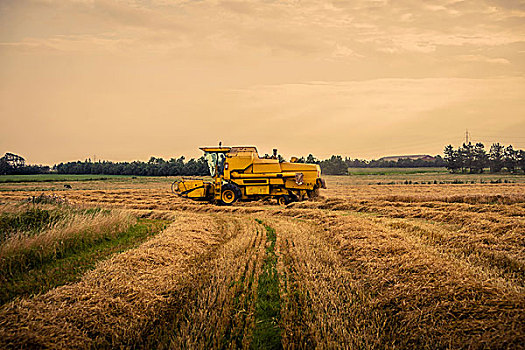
<point x="485" y="236"/>
<point x="203" y="284"/>
<point x="489" y="256"/>
<point x="353" y="282"/>
<point x="320" y="299"/>
<point x="219" y="308"/>
<point x="118" y="303"/>
<point x="267" y="332"/>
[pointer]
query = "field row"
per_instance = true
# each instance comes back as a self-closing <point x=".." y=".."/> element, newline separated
<point x="434" y="266"/>
<point x="486" y="229"/>
<point x="340" y="279"/>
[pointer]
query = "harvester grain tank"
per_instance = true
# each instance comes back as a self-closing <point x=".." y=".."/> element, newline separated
<point x="239" y="173"/>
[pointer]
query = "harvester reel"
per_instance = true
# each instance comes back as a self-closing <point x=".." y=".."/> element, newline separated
<point x="175" y="187"/>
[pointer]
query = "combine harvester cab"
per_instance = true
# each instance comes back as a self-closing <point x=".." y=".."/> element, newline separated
<point x="239" y="174"/>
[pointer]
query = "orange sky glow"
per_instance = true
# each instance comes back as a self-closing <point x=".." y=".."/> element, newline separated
<point x="129" y="79"/>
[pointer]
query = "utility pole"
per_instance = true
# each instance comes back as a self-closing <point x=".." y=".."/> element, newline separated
<point x="466" y="137"/>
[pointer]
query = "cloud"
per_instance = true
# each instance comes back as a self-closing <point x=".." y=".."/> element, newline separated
<point x="483" y="59"/>
<point x="305" y="28"/>
<point x="241" y="7"/>
<point x="341" y="51"/>
<point x="518" y="5"/>
<point x="337" y="73"/>
<point x="68" y="43"/>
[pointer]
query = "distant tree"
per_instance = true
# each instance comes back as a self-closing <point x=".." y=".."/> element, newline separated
<point x="202" y="167"/>
<point x="191" y="168"/>
<point x="480" y="160"/>
<point x="311" y="159"/>
<point x="356" y="163"/>
<point x="381" y="164"/>
<point x="452" y="159"/>
<point x="439" y="161"/>
<point x="408" y="163"/>
<point x="510" y="158"/>
<point x="5" y="168"/>
<point x="334" y="166"/>
<point x="466" y="157"/>
<point x="14" y="164"/>
<point x="14" y="160"/>
<point x="521" y="160"/>
<point x="496" y="157"/>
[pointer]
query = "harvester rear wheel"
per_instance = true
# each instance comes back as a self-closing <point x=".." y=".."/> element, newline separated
<point x="229" y="194"/>
<point x="283" y="200"/>
<point x="313" y="193"/>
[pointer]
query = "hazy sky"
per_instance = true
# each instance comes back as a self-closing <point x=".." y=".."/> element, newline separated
<point x="126" y="80"/>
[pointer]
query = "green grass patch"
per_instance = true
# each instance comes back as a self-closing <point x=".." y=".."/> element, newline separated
<point x="73" y="231"/>
<point x="267" y="334"/>
<point x="70" y="267"/>
<point x="31" y="221"/>
<point x="392" y="171"/>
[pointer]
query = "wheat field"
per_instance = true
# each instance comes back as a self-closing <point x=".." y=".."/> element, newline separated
<point x="365" y="266"/>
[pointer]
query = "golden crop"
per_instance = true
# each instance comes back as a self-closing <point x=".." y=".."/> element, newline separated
<point x="366" y="266"/>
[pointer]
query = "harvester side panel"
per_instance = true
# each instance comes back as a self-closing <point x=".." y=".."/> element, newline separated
<point x="266" y="167"/>
<point x="257" y="190"/>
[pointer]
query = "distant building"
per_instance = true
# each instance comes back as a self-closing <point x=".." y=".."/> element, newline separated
<point x="424" y="157"/>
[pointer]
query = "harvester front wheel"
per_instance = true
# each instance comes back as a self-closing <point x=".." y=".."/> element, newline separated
<point x="229" y="194"/>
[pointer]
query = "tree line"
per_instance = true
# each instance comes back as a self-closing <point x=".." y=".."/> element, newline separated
<point x="468" y="158"/>
<point x="153" y="167"/>
<point x="337" y="165"/>
<point x="10" y="165"/>
<point x="475" y="159"/>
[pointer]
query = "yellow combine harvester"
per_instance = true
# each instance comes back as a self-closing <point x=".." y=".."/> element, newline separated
<point x="239" y="174"/>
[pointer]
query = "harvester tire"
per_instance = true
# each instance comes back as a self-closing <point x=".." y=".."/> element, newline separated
<point x="283" y="200"/>
<point x="313" y="193"/>
<point x="229" y="194"/>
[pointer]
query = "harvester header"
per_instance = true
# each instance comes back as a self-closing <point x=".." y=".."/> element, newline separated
<point x="240" y="174"/>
